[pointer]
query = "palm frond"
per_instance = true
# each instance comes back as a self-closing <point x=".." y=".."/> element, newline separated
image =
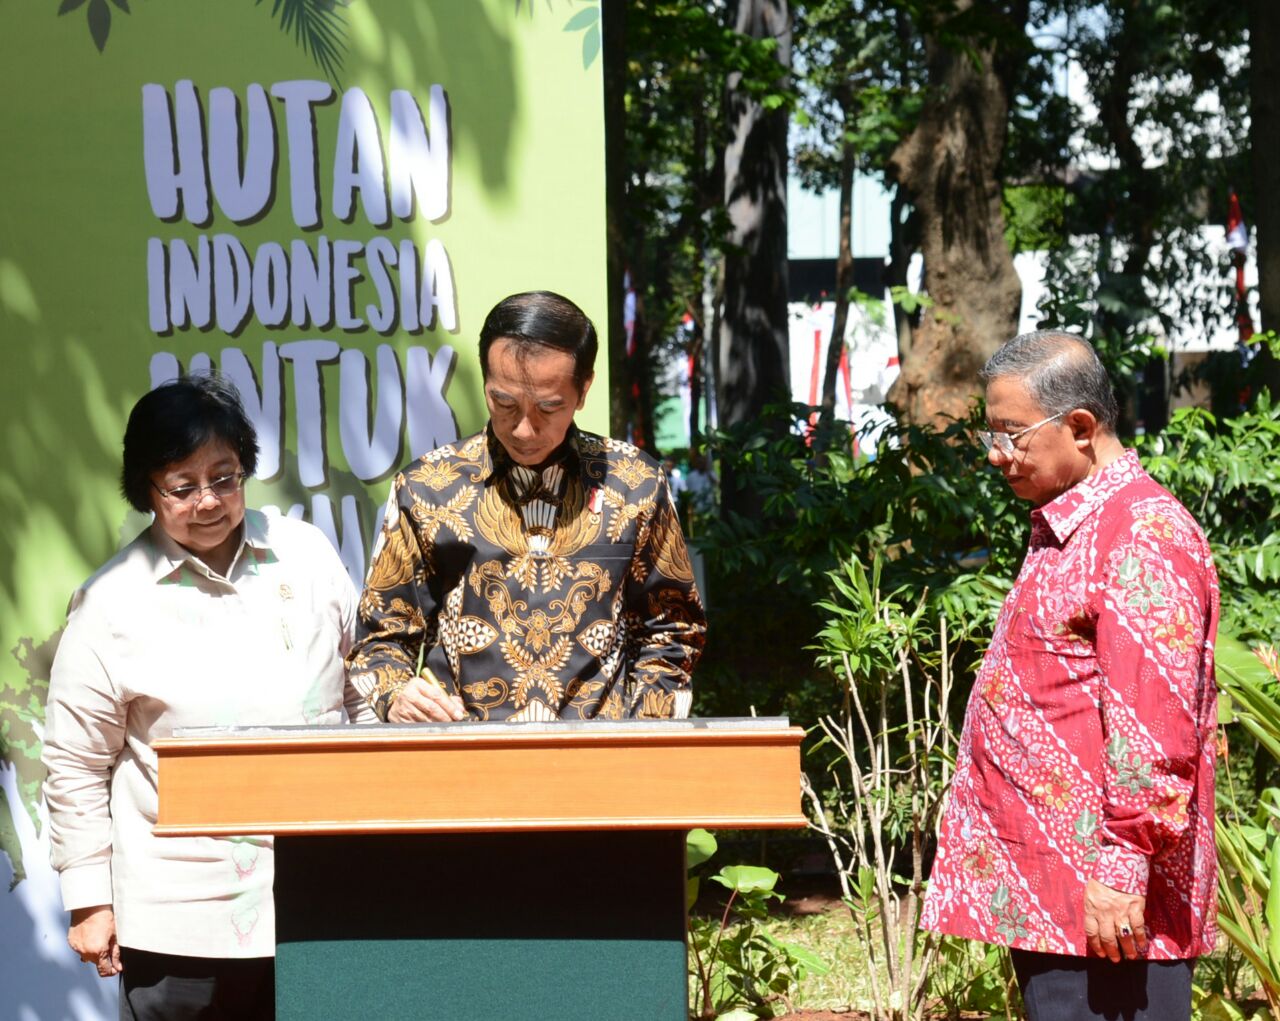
<point x="318" y="27"/>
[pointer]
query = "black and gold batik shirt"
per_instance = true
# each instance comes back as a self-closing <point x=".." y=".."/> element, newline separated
<point x="563" y="592"/>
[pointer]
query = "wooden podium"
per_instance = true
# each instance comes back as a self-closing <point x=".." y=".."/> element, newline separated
<point x="482" y="870"/>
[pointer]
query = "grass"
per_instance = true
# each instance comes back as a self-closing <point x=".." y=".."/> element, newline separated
<point x="830" y="935"/>
<point x="847" y="985"/>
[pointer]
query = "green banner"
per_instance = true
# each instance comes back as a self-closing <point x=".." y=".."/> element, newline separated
<point x="321" y="201"/>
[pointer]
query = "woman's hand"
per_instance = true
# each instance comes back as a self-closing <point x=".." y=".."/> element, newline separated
<point x="93" y="936"/>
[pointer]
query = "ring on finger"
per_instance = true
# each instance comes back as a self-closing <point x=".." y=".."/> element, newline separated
<point x="1125" y="930"/>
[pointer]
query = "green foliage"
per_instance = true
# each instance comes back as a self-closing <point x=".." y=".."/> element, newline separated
<point x="737" y="968"/>
<point x="1249" y="843"/>
<point x="671" y="224"/>
<point x="974" y="978"/>
<point x="909" y="301"/>
<point x="927" y="492"/>
<point x="1216" y="993"/>
<point x="1034" y="217"/>
<point x="893" y="745"/>
<point x="943" y="521"/>
<point x="1223" y="471"/>
<point x="1168" y="97"/>
<point x="860" y="86"/>
<point x="942" y="538"/>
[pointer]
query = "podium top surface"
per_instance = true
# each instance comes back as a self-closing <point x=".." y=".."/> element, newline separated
<point x="456" y="777"/>
<point x="399" y="732"/>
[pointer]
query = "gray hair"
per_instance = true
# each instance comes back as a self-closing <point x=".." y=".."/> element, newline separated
<point x="1061" y="372"/>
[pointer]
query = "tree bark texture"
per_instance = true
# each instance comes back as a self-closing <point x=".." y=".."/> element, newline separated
<point x="949" y="168"/>
<point x="753" y="355"/>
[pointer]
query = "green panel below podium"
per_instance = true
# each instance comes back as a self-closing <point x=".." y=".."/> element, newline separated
<point x="572" y="925"/>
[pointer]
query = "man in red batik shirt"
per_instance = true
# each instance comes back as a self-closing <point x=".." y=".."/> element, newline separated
<point x="1079" y="826"/>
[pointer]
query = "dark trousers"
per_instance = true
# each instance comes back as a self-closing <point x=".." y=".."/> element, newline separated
<point x="165" y="987"/>
<point x="1059" y="988"/>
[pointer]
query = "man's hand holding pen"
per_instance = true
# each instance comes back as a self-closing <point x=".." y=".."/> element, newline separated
<point x="425" y="700"/>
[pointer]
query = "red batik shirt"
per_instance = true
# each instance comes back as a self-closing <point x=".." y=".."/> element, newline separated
<point x="1088" y="743"/>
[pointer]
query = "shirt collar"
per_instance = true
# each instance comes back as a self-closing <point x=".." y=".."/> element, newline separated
<point x="496" y="463"/>
<point x="170" y="559"/>
<point x="1065" y="513"/>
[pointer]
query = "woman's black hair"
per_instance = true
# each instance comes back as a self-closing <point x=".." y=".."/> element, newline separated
<point x="542" y="319"/>
<point x="175" y="420"/>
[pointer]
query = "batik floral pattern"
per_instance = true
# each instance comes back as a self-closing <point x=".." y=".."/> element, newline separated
<point x="594" y="616"/>
<point x="1089" y="741"/>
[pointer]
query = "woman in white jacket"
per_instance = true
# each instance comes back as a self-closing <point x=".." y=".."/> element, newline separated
<point x="214" y="615"/>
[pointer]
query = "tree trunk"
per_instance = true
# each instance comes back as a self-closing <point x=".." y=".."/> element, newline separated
<point x="844" y="283"/>
<point x="715" y="305"/>
<point x="697" y="351"/>
<point x="754" y="358"/>
<point x="615" y="123"/>
<point x="649" y="338"/>
<point x="754" y="350"/>
<point x="1264" y="136"/>
<point x="949" y="168"/>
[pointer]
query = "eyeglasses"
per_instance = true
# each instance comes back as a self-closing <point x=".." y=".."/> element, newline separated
<point x="1003" y="443"/>
<point x="226" y="486"/>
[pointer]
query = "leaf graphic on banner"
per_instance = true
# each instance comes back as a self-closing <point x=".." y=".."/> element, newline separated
<point x="583" y="19"/>
<point x="588" y="22"/>
<point x="317" y="27"/>
<point x="99" y="23"/>
<point x="10" y="845"/>
<point x="99" y="17"/>
<point x="590" y="47"/>
<point x="22" y="700"/>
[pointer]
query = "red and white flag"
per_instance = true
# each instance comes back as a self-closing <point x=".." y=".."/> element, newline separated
<point x="1237" y="232"/>
<point x="1238" y="239"/>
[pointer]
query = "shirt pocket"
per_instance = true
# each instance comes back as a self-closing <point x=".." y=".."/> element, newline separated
<point x="1050" y="633"/>
<point x="613" y="561"/>
<point x="1056" y="665"/>
<point x="606" y="551"/>
<point x="614" y="557"/>
<point x="1048" y="650"/>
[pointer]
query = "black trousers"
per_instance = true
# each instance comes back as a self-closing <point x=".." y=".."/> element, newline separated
<point x="165" y="987"/>
<point x="1060" y="988"/>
